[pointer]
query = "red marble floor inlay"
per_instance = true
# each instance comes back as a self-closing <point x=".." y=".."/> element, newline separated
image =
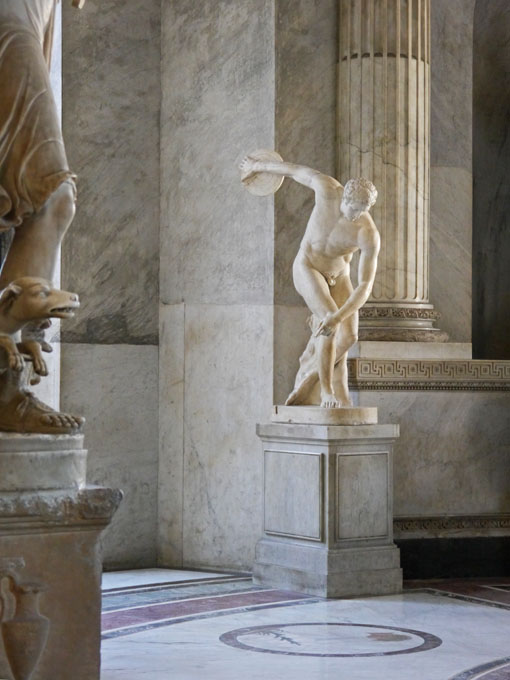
<point x="176" y="609"/>
<point x="486" y="589"/>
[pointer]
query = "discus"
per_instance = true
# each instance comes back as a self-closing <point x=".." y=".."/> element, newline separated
<point x="263" y="183"/>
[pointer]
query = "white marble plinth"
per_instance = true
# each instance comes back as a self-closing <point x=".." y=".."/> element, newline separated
<point x="56" y="535"/>
<point x="373" y="349"/>
<point x="316" y="415"/>
<point x="41" y="462"/>
<point x="328" y="510"/>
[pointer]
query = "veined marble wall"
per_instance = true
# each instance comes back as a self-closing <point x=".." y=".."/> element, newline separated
<point x="451" y="165"/>
<point x="216" y="284"/>
<point x="111" y="99"/>
<point x="491" y="151"/>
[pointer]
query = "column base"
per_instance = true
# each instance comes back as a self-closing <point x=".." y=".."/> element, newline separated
<point x="347" y="572"/>
<point x="400" y="323"/>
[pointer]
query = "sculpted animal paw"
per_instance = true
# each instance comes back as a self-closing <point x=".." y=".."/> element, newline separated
<point x="14" y="359"/>
<point x="33" y="349"/>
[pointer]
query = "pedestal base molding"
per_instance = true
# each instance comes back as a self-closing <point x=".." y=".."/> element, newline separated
<point x="328" y="573"/>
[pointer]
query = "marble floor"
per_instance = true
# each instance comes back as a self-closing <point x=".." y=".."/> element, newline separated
<point x="161" y="624"/>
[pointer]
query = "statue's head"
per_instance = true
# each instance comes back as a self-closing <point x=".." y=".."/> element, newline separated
<point x="359" y="195"/>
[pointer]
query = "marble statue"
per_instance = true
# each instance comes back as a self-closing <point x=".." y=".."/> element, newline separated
<point x="37" y="201"/>
<point x="339" y="226"/>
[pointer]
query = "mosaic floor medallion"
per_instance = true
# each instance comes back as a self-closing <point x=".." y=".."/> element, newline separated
<point x="330" y="639"/>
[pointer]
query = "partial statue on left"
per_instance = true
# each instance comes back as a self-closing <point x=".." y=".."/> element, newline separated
<point x="37" y="201"/>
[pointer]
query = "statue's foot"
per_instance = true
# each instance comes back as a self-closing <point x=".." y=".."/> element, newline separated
<point x="330" y="401"/>
<point x="25" y="414"/>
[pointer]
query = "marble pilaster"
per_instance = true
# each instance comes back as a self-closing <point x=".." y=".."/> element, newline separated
<point x="383" y="134"/>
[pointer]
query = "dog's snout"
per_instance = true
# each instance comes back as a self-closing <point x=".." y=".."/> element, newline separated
<point x="74" y="297"/>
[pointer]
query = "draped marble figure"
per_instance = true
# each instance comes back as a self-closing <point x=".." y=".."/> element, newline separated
<point x="37" y="201"/>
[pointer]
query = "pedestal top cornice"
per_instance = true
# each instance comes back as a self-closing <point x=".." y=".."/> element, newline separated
<point x="326" y="433"/>
<point x="90" y="507"/>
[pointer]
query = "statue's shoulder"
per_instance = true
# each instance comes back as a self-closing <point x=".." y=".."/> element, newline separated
<point x="328" y="186"/>
<point x="368" y="234"/>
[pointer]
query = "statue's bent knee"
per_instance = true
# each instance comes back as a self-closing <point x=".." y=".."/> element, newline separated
<point x="63" y="205"/>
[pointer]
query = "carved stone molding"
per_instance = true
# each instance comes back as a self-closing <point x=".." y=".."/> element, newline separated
<point x="448" y="525"/>
<point x="421" y="374"/>
<point x="403" y="334"/>
<point x="398" y="313"/>
<point x="92" y="506"/>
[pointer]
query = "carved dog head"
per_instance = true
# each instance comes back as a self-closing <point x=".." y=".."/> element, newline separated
<point x="33" y="299"/>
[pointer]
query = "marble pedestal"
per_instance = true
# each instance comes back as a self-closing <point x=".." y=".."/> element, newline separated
<point x="52" y="524"/>
<point x="328" y="510"/>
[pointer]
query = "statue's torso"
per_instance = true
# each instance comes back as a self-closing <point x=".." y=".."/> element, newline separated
<point x="330" y="239"/>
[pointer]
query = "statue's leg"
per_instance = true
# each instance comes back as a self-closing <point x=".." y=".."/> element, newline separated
<point x="34" y="252"/>
<point x="36" y="243"/>
<point x="312" y="286"/>
<point x="347" y="336"/>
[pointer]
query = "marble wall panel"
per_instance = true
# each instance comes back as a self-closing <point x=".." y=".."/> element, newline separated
<point x="217" y="105"/>
<point x="450" y="250"/>
<point x="491" y="152"/>
<point x="452" y="454"/>
<point x="115" y="388"/>
<point x="228" y="389"/>
<point x="293" y="493"/>
<point x="111" y="101"/>
<point x="171" y="432"/>
<point x="306" y="54"/>
<point x="451" y="82"/>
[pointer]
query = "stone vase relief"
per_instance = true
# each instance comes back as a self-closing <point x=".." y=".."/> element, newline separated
<point x="25" y="633"/>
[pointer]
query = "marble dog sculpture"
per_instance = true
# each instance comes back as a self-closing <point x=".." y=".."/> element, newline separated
<point x="26" y="301"/>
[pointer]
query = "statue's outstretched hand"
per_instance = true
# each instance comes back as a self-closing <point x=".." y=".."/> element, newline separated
<point x="247" y="167"/>
<point x="326" y="326"/>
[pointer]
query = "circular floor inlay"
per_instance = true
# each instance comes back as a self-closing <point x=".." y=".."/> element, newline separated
<point x="330" y="639"/>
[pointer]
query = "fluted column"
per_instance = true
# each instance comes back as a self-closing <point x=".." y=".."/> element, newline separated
<point x="383" y="134"/>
